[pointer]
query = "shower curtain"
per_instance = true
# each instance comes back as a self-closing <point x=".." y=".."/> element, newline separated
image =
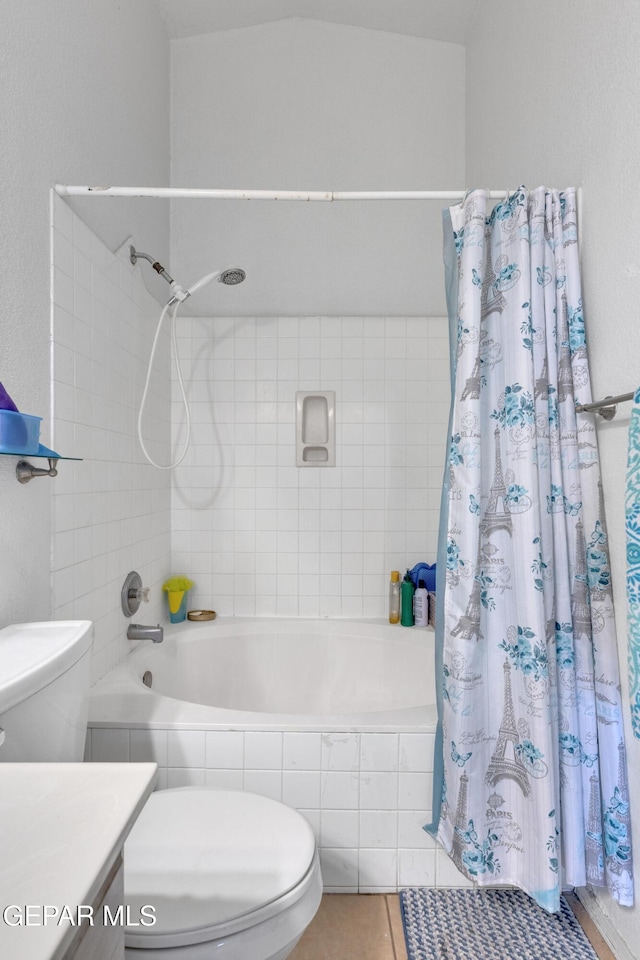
<point x="530" y="741"/>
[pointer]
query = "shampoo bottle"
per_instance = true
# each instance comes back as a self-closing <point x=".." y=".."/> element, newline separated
<point x="394" y="597"/>
<point x="406" y="596"/>
<point x="421" y="605"/>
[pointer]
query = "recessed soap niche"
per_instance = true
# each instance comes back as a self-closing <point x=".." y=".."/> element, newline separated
<point x="315" y="428"/>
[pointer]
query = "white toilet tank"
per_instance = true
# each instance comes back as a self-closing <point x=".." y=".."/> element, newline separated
<point x="44" y="690"/>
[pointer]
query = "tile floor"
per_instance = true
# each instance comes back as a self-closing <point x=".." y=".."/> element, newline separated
<point x="354" y="927"/>
<point x="361" y="927"/>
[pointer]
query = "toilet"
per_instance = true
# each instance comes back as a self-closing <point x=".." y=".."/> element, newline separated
<point x="229" y="875"/>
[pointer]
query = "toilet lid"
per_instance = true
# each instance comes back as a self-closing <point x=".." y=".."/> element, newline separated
<point x="204" y="857"/>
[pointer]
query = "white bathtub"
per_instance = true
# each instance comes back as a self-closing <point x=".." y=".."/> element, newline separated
<point x="268" y="674"/>
<point x="335" y="718"/>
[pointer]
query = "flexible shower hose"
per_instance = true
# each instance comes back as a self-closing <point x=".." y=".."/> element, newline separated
<point x="174" y="341"/>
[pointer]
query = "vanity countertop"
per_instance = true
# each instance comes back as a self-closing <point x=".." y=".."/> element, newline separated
<point x="62" y="827"/>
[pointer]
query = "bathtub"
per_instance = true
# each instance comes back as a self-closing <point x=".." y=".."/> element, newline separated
<point x="268" y="674"/>
<point x="333" y="717"/>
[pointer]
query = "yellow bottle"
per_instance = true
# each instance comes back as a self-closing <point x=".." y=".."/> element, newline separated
<point x="394" y="597"/>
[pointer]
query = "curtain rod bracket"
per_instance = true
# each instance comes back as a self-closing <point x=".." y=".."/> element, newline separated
<point x="607" y="407"/>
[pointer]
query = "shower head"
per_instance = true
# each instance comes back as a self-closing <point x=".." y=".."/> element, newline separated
<point x="230" y="275"/>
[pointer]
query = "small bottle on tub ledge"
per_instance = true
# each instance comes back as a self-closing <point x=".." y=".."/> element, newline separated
<point x="406" y="601"/>
<point x="394" y="597"/>
<point x="421" y="605"/>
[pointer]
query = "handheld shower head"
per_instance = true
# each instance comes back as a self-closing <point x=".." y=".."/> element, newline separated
<point x="230" y="276"/>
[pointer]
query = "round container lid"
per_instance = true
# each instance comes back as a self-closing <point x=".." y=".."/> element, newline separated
<point x="204" y="857"/>
<point x="34" y="654"/>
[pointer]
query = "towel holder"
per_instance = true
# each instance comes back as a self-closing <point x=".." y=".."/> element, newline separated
<point x="26" y="471"/>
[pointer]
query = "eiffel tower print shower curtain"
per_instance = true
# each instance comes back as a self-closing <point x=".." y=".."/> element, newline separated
<point x="531" y="746"/>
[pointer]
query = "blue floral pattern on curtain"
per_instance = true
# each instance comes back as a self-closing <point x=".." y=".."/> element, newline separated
<point x="535" y="784"/>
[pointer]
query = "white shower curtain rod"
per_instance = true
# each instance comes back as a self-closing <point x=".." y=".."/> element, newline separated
<point x="176" y="193"/>
<point x="326" y="196"/>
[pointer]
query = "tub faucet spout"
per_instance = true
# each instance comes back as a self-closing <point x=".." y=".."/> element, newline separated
<point x="141" y="631"/>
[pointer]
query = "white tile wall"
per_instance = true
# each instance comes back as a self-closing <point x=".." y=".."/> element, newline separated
<point x="111" y="512"/>
<point x="370" y="839"/>
<point x="260" y="536"/>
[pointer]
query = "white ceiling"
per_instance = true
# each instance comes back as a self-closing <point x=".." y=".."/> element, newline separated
<point x="448" y="20"/>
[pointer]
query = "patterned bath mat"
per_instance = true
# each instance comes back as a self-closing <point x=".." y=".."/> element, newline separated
<point x="488" y="925"/>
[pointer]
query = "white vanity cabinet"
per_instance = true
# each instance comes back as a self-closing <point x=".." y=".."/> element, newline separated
<point x="62" y="832"/>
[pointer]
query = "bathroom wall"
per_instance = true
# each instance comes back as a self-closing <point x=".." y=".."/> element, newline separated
<point x="562" y="81"/>
<point x="83" y="98"/>
<point x="260" y="536"/>
<point x="111" y="510"/>
<point x="300" y="104"/>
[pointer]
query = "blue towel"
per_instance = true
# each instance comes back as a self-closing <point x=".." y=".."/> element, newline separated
<point x="422" y="571"/>
<point x="632" y="511"/>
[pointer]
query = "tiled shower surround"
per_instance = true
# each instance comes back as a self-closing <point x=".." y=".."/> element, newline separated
<point x="111" y="510"/>
<point x="262" y="537"/>
<point x="258" y="535"/>
<point x="363" y="793"/>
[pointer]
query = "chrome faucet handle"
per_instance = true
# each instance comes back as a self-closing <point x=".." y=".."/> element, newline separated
<point x="133" y="594"/>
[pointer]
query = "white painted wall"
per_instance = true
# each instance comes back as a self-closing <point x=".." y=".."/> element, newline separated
<point x="300" y="104"/>
<point x="552" y="97"/>
<point x="83" y="98"/>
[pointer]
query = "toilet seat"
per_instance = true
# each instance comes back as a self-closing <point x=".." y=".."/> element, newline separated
<point x="212" y="863"/>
